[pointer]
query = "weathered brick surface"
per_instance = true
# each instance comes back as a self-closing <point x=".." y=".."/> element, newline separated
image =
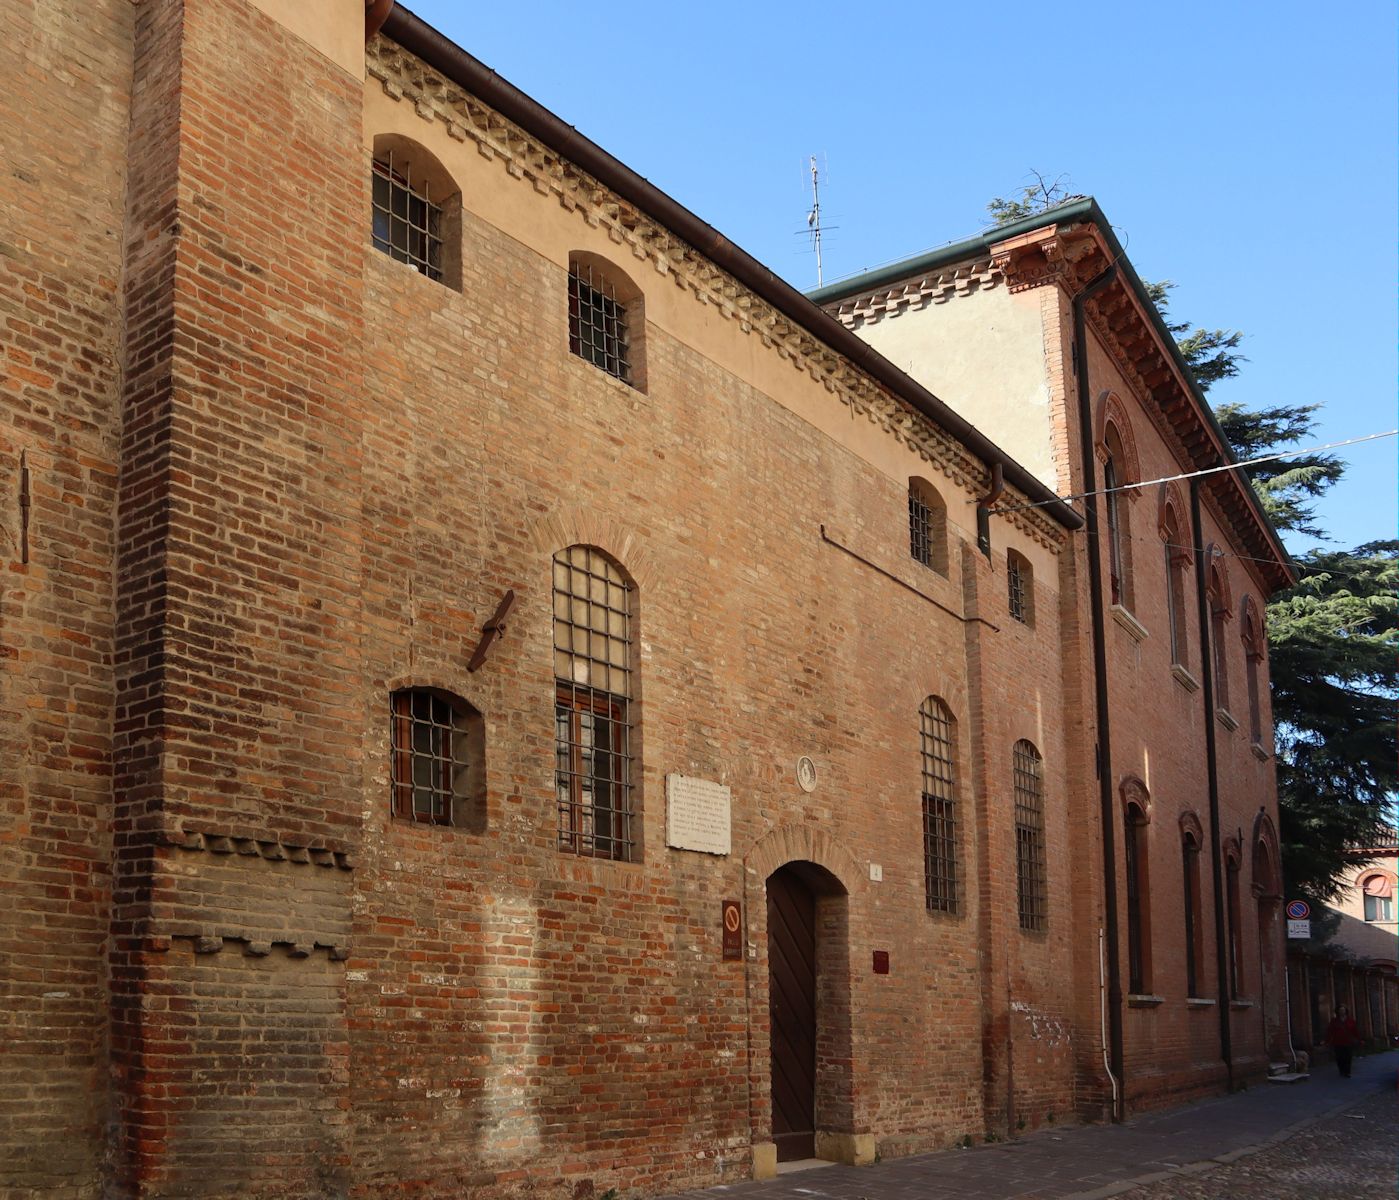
<point x="331" y="469"/>
<point x="64" y="109"/>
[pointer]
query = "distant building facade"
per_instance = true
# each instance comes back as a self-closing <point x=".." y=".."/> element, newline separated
<point x="500" y="696"/>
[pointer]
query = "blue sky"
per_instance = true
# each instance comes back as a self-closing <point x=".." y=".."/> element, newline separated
<point x="1244" y="150"/>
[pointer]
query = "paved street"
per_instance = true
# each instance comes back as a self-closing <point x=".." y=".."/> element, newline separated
<point x="1326" y="1137"/>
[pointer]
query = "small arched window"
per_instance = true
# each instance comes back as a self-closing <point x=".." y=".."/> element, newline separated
<point x="1216" y="591"/>
<point x="606" y="317"/>
<point x="1233" y="863"/>
<point x="936" y="741"/>
<point x="592" y="705"/>
<point x="416" y="210"/>
<point x="1031" y="867"/>
<point x="1020" y="587"/>
<point x="1119" y="522"/>
<point x="927" y="525"/>
<point x="1177" y="555"/>
<point x="439" y="769"/>
<point x="1136" y="822"/>
<point x="1191" y="909"/>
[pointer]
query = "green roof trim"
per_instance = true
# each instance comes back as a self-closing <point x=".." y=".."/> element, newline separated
<point x="1082" y="208"/>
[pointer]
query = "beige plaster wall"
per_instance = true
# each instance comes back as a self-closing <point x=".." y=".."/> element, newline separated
<point x="1377" y="940"/>
<point x="1005" y="394"/>
<point x="334" y="27"/>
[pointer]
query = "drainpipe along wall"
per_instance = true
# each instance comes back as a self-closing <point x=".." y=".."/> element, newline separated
<point x="1221" y="946"/>
<point x="1106" y="798"/>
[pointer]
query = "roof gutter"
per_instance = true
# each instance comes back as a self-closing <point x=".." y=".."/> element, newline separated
<point x="440" y="53"/>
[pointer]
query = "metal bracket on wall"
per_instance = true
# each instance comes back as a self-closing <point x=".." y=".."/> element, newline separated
<point x="493" y="629"/>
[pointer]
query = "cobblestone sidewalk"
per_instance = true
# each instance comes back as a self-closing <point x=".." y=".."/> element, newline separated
<point x="1168" y="1149"/>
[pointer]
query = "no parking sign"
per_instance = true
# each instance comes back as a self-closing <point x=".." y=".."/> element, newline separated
<point x="1299" y="919"/>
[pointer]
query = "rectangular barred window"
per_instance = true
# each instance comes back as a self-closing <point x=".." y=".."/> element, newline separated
<point x="592" y="665"/>
<point x="939" y="807"/>
<point x="1030" y="867"/>
<point x="407" y="225"/>
<point x="920" y="529"/>
<point x="430" y="760"/>
<point x="597" y="321"/>
<point x="1015" y="584"/>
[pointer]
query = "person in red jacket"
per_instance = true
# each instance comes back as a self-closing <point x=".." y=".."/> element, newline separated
<point x="1343" y="1035"/>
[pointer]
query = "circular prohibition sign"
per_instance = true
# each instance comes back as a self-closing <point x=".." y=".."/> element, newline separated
<point x="1298" y="910"/>
<point x="731" y="917"/>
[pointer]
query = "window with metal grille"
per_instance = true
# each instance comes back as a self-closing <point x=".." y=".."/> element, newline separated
<point x="407" y="223"/>
<point x="1030" y="865"/>
<point x="597" y="321"/>
<point x="1020" y="587"/>
<point x="1253" y="658"/>
<point x="939" y="806"/>
<point x="1138" y="927"/>
<point x="436" y="758"/>
<point x="1194" y="933"/>
<point x="1235" y="914"/>
<point x="1177" y="559"/>
<point x="592" y="667"/>
<point x="927" y="526"/>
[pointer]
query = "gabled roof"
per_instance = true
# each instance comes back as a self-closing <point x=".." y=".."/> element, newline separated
<point x="1127" y="311"/>
<point x="441" y="54"/>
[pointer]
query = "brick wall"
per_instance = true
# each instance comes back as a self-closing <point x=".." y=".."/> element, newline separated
<point x="68" y="69"/>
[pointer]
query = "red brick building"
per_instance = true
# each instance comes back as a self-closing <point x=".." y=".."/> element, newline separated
<point x="501" y="695"/>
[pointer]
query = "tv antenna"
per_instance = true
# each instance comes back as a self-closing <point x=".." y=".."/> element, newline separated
<point x="813" y="218"/>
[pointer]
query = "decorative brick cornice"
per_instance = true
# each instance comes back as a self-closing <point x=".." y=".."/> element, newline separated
<point x="918" y="292"/>
<point x="439" y="101"/>
<point x="254" y="845"/>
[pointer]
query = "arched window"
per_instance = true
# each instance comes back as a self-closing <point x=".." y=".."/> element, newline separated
<point x="416" y="210"/>
<point x="606" y="317"/>
<point x="1377" y="890"/>
<point x="1177" y="559"/>
<point x="439" y="772"/>
<point x="1118" y="511"/>
<point x="593" y="692"/>
<point x="936" y="734"/>
<point x="927" y="525"/>
<point x="1136" y="823"/>
<point x="1030" y="861"/>
<point x="1020" y="587"/>
<point x="1191" y="837"/>
<point x="1253" y="662"/>
<point x="1216" y="591"/>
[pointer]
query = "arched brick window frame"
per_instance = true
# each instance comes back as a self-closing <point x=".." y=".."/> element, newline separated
<point x="415" y="209"/>
<point x="1255" y="648"/>
<point x="1116" y="447"/>
<point x="1175" y="543"/>
<point x="1221" y="610"/>
<point x="606" y="318"/>
<point x="1192" y="841"/>
<point x="437" y="747"/>
<point x="1376" y="889"/>
<point x="595" y="705"/>
<point x="927" y="525"/>
<point x="1136" y="827"/>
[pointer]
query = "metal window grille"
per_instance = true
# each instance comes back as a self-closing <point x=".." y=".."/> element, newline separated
<point x="1175" y="597"/>
<point x="429" y="756"/>
<point x="1015" y="586"/>
<point x="921" y="529"/>
<point x="1112" y="502"/>
<point x="407" y="224"/>
<point x="1136" y="930"/>
<point x="592" y="666"/>
<point x="597" y="322"/>
<point x="939" y="806"/>
<point x="1030" y="868"/>
<point x="1231" y="887"/>
<point x="1190" y="857"/>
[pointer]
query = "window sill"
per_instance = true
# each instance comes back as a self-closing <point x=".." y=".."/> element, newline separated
<point x="1184" y="678"/>
<point x="1240" y="1005"/>
<point x="1141" y="1000"/>
<point x="1129" y="623"/>
<point x="1226" y="718"/>
<point x="1259" y="753"/>
<point x="1199" y="1002"/>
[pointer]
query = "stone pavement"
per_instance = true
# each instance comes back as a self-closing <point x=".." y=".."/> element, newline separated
<point x="1094" y="1161"/>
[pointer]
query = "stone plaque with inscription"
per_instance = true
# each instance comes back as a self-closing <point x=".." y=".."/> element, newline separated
<point x="697" y="815"/>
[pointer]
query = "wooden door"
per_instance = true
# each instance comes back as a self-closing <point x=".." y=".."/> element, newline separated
<point x="792" y="1006"/>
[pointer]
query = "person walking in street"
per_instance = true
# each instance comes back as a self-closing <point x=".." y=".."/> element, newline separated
<point x="1343" y="1035"/>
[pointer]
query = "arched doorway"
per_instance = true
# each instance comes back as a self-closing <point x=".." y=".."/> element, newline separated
<point x="808" y="975"/>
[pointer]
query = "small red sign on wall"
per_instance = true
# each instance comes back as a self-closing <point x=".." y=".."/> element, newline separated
<point x="732" y="913"/>
<point x="881" y="962"/>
